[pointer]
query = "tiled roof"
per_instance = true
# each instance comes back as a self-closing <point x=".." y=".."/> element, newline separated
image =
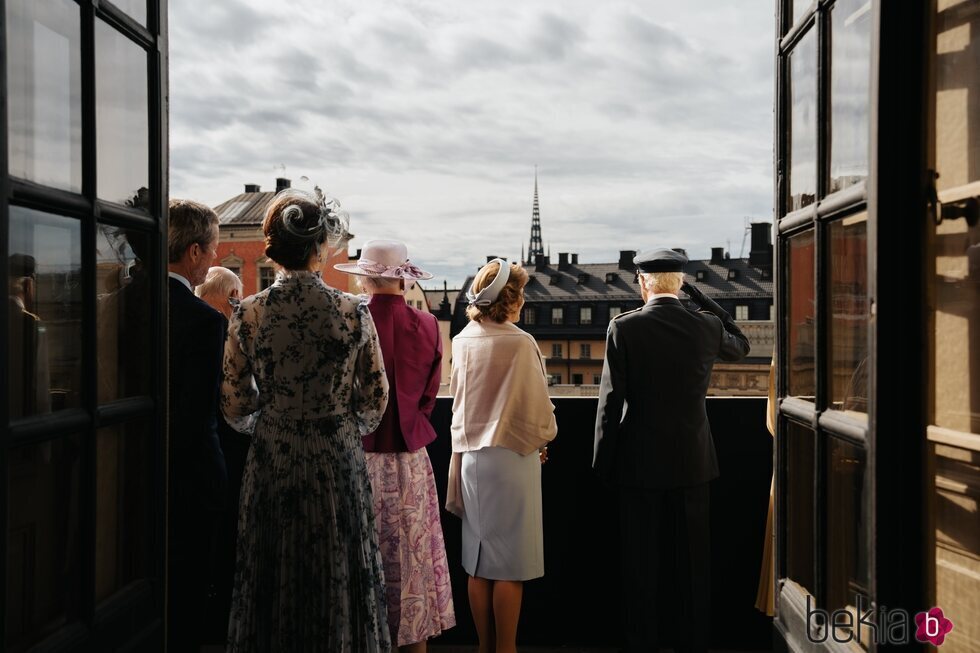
<point x="588" y="281"/>
<point x="244" y="209"/>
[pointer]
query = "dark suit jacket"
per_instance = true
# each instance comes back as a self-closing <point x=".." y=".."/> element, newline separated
<point x="197" y="337"/>
<point x="412" y="350"/>
<point x="651" y="428"/>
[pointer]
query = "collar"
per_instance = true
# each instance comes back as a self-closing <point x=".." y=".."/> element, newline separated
<point x="385" y="298"/>
<point x="182" y="279"/>
<point x="658" y="295"/>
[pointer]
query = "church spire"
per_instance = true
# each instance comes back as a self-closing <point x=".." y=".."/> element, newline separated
<point x="535" y="248"/>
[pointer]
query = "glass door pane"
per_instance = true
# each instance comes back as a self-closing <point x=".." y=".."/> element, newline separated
<point x="43" y="539"/>
<point x="802" y="316"/>
<point x="44" y="77"/>
<point x="45" y="312"/>
<point x="849" y="313"/>
<point x="123" y="118"/>
<point x="803" y="122"/>
<point x="850" y="96"/>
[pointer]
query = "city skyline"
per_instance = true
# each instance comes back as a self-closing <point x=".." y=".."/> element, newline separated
<point x="649" y="125"/>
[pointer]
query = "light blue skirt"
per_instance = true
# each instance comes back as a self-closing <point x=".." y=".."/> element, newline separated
<point x="502" y="527"/>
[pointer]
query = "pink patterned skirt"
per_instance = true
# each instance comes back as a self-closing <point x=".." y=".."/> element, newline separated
<point x="406" y="507"/>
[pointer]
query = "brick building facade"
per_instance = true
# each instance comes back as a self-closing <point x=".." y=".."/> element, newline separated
<point x="241" y="246"/>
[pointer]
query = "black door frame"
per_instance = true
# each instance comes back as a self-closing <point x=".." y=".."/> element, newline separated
<point x="133" y="618"/>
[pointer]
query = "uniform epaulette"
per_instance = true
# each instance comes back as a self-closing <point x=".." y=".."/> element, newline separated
<point x="626" y="313"/>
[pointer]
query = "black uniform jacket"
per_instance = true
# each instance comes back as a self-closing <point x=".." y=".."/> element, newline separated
<point x="651" y="428"/>
<point x="197" y="337"/>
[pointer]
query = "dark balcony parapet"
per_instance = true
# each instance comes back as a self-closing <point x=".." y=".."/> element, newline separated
<point x="576" y="603"/>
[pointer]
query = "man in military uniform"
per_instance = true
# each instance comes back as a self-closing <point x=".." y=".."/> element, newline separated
<point x="654" y="443"/>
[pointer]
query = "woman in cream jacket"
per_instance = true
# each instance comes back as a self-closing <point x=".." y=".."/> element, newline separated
<point x="502" y="423"/>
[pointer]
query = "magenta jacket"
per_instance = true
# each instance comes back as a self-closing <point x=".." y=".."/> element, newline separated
<point x="412" y="351"/>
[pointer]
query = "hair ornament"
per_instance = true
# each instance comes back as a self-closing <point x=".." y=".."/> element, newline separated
<point x="332" y="221"/>
<point x="489" y="294"/>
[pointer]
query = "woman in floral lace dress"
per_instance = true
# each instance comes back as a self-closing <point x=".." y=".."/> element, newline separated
<point x="304" y="374"/>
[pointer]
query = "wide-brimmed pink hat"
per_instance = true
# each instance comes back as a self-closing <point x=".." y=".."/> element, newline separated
<point x="384" y="258"/>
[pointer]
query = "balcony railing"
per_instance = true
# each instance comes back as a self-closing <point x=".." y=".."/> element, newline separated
<point x="577" y="602"/>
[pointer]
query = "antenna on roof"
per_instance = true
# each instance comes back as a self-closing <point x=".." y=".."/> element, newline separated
<point x="745" y="234"/>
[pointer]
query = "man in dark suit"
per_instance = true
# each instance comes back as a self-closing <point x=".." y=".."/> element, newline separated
<point x="654" y="443"/>
<point x="198" y="476"/>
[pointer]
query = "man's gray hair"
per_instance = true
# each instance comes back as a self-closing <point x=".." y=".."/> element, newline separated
<point x="659" y="282"/>
<point x="220" y="281"/>
<point x="371" y="284"/>
<point x="190" y="222"/>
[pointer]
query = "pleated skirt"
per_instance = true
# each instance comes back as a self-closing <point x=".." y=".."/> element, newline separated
<point x="503" y="536"/>
<point x="308" y="574"/>
<point x="406" y="510"/>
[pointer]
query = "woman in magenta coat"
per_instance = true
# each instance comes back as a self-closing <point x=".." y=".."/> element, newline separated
<point x="418" y="592"/>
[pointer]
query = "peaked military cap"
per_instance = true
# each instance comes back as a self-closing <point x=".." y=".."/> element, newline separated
<point x="660" y="259"/>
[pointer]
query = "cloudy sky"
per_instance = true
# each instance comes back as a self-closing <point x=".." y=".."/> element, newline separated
<point x="650" y="122"/>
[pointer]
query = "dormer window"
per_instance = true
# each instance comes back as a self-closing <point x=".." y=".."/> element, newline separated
<point x="701" y="275"/>
<point x="583" y="279"/>
<point x="555" y="279"/>
<point x="611" y="277"/>
<point x="732" y="275"/>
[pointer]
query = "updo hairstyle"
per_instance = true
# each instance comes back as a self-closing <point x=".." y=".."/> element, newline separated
<point x="304" y="212"/>
<point x="507" y="301"/>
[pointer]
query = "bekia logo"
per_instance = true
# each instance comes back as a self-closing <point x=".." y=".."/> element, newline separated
<point x="932" y="627"/>
<point x="882" y="626"/>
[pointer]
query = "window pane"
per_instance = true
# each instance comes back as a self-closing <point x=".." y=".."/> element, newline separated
<point x="585" y="315"/>
<point x="800" y="470"/>
<point x="803" y="123"/>
<point x="850" y="93"/>
<point x="123" y="304"/>
<point x="124" y="506"/>
<point x="135" y="8"/>
<point x="802" y="316"/>
<point x="957" y="87"/>
<point x="122" y="117"/>
<point x="799" y="8"/>
<point x="45" y="312"/>
<point x="847" y="544"/>
<point x="267" y="277"/>
<point x="849" y="313"/>
<point x="45" y="92"/>
<point x="43" y="539"/>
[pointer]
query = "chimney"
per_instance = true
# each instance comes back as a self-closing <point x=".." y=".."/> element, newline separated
<point x="760" y="256"/>
<point x="252" y="188"/>
<point x="717" y="254"/>
<point x="282" y="183"/>
<point x="541" y="263"/>
<point x="626" y="257"/>
<point x="574" y="259"/>
<point x="562" y="260"/>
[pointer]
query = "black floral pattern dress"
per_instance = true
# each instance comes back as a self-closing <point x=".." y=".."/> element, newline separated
<point x="304" y="374"/>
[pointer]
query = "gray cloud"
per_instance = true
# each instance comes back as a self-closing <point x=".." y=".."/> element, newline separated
<point x="648" y="121"/>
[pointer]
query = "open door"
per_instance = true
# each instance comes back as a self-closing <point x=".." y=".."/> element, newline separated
<point x="83" y="196"/>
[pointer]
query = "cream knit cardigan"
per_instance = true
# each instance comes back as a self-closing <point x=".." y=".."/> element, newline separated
<point x="500" y="396"/>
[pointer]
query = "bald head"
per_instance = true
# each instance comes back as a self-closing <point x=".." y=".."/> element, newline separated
<point x="220" y="285"/>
